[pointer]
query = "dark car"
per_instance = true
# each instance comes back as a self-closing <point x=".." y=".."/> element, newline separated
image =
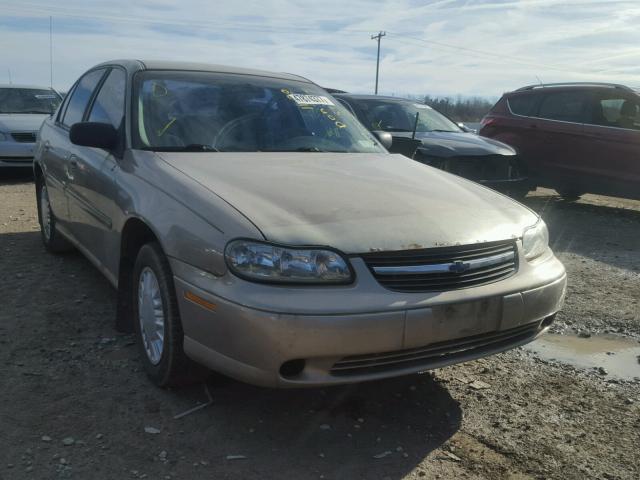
<point x="426" y="135"/>
<point x="575" y="138"/>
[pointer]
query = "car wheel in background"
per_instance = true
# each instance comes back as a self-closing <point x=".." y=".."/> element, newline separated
<point x="157" y="321"/>
<point x="51" y="238"/>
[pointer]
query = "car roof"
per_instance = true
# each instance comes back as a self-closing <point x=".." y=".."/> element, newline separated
<point x="572" y="86"/>
<point x="28" y="87"/>
<point x="138" y="65"/>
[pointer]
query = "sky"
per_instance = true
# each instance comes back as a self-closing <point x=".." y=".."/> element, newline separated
<point x="436" y="47"/>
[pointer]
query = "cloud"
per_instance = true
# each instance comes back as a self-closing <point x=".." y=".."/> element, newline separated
<point x="442" y="47"/>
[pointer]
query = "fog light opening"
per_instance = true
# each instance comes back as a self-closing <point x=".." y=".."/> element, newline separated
<point x="292" y="368"/>
<point x="548" y="321"/>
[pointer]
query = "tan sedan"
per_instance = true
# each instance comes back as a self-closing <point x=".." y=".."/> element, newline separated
<point x="253" y="226"/>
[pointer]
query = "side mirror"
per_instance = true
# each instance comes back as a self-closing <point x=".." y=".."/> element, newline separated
<point x="94" y="134"/>
<point x="385" y="138"/>
<point x="466" y="129"/>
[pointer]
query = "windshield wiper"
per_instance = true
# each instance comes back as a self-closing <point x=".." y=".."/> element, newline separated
<point x="306" y="149"/>
<point x="441" y="130"/>
<point x="192" y="147"/>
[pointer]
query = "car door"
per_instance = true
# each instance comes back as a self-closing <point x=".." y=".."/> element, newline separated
<point x="91" y="188"/>
<point x="559" y="138"/>
<point x="520" y="128"/>
<point x="612" y="137"/>
<point x="57" y="149"/>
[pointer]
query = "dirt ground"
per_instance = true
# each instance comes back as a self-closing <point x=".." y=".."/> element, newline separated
<point x="75" y="403"/>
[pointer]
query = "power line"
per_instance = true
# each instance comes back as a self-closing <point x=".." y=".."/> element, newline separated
<point x="498" y="56"/>
<point x="36" y="9"/>
<point x="42" y="10"/>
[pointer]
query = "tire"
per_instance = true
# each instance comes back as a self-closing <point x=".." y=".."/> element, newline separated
<point x="154" y="301"/>
<point x="52" y="240"/>
<point x="569" y="195"/>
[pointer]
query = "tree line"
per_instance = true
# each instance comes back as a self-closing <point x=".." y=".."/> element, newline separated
<point x="460" y="109"/>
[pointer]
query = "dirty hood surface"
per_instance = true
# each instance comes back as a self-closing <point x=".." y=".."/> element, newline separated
<point x="455" y="144"/>
<point x="21" y="122"/>
<point x="354" y="202"/>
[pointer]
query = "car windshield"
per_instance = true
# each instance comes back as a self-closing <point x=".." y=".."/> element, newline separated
<point x="200" y="111"/>
<point x="400" y="116"/>
<point x="28" y="100"/>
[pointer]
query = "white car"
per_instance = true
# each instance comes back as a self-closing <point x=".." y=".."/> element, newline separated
<point x="22" y="111"/>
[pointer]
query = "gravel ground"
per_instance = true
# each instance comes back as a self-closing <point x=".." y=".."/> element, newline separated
<point x="75" y="403"/>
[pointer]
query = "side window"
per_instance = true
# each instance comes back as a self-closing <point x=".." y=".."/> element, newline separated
<point x="522" y="104"/>
<point x="565" y="106"/>
<point x="615" y="110"/>
<point x="80" y="97"/>
<point x="109" y="104"/>
<point x="63" y="105"/>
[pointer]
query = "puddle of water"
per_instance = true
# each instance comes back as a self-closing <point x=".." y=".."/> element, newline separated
<point x="617" y="355"/>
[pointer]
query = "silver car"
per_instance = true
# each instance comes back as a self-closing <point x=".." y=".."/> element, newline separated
<point x="22" y="111"/>
<point x="251" y="225"/>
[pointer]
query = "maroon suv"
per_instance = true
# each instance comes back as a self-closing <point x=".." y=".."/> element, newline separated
<point x="575" y="138"/>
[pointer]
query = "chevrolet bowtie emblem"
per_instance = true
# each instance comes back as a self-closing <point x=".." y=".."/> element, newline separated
<point x="459" y="267"/>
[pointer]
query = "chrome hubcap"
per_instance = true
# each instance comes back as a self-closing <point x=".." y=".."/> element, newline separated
<point x="45" y="212"/>
<point x="151" y="315"/>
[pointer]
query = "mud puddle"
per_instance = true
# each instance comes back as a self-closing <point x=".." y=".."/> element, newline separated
<point x="619" y="356"/>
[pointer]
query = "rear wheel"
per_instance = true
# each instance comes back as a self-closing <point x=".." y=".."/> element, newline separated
<point x="157" y="321"/>
<point x="51" y="238"/>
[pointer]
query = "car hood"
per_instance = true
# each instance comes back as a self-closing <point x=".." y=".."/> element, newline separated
<point x="454" y="144"/>
<point x="354" y="202"/>
<point x="19" y="122"/>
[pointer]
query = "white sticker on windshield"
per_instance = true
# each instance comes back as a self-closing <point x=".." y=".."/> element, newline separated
<point x="301" y="99"/>
<point x="420" y="105"/>
<point x="43" y="97"/>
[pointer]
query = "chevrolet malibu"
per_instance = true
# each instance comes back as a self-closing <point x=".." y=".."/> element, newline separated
<point x="22" y="111"/>
<point x="252" y="226"/>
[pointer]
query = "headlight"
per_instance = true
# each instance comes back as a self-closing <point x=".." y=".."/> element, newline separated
<point x="264" y="262"/>
<point x="535" y="240"/>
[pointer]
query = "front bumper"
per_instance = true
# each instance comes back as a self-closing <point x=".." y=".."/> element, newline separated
<point x="314" y="338"/>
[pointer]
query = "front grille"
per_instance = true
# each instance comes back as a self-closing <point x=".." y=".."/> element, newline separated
<point x="436" y="353"/>
<point x="445" y="268"/>
<point x="477" y="167"/>
<point x="24" y="137"/>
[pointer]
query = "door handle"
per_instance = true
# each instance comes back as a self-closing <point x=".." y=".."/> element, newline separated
<point x="47" y="146"/>
<point x="72" y="165"/>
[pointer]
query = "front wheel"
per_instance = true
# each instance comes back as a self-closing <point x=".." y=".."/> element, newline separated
<point x="157" y="320"/>
<point x="51" y="238"/>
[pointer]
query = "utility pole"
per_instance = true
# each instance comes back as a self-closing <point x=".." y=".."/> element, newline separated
<point x="9" y="72"/>
<point x="51" y="51"/>
<point x="378" y="37"/>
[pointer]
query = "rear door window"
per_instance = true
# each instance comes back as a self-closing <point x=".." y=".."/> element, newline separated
<point x="564" y="106"/>
<point x="613" y="109"/>
<point x="523" y="104"/>
<point x="81" y="96"/>
<point x="109" y="104"/>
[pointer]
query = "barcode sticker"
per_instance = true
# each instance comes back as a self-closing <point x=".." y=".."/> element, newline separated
<point x="301" y="99"/>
